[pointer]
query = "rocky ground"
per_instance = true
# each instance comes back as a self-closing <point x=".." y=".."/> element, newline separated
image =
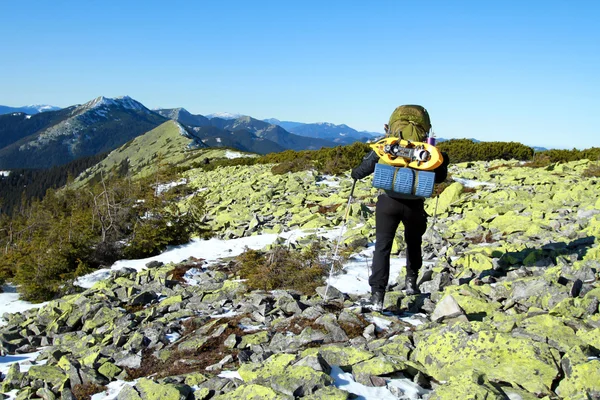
<point x="509" y="310"/>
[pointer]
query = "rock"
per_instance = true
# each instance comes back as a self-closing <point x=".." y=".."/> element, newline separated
<point x="343" y="356"/>
<point x="363" y="371"/>
<point x="447" y="308"/>
<point x="150" y="390"/>
<point x="448" y="351"/>
<point x="470" y="385"/>
<point x="315" y="362"/>
<point x="253" y="391"/>
<point x="277" y="373"/>
<point x="328" y="393"/>
<point x="53" y="376"/>
<point x="584" y="378"/>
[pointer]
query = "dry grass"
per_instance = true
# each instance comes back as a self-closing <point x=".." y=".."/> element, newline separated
<point x="184" y="362"/>
<point x="86" y="390"/>
<point x="297" y="324"/>
<point x="325" y="209"/>
<point x="179" y="271"/>
<point x="593" y="171"/>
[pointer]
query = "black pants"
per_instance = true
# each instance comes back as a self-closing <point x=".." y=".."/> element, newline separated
<point x="389" y="212"/>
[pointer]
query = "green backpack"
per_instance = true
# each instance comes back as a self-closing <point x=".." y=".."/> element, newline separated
<point x="409" y="122"/>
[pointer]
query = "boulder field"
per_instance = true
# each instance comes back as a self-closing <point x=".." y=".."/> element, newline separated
<point x="509" y="309"/>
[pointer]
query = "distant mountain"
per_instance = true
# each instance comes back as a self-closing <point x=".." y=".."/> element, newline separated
<point x="57" y="137"/>
<point x="139" y="157"/>
<point x="182" y="116"/>
<point x="339" y="134"/>
<point x="274" y="133"/>
<point x="241" y="139"/>
<point x="224" y="115"/>
<point x="287" y="125"/>
<point x="33" y="109"/>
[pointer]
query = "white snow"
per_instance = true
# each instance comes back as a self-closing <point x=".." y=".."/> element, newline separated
<point x="25" y="361"/>
<point x="470" y="183"/>
<point x="173" y="337"/>
<point x="224" y="115"/>
<point x="345" y="381"/>
<point x="236" y="154"/>
<point x="355" y="277"/>
<point x="4" y="173"/>
<point x="182" y="130"/>
<point x="112" y="390"/>
<point x="210" y="250"/>
<point x="27" y="116"/>
<point x="10" y="303"/>
<point x="218" y="140"/>
<point x="329" y="180"/>
<point x="163" y="187"/>
<point x="230" y="375"/>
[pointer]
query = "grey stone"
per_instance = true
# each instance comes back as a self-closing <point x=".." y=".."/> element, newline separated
<point x="447" y="308"/>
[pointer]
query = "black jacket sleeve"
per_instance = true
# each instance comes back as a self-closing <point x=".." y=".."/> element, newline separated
<point x="441" y="172"/>
<point x="366" y="167"/>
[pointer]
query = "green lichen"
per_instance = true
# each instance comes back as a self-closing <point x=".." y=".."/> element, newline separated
<point x="584" y="379"/>
<point x="448" y="351"/>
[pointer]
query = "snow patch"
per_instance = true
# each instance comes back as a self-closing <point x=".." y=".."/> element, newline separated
<point x="4" y="173"/>
<point x="234" y="154"/>
<point x="396" y="388"/>
<point x="470" y="183"/>
<point x="163" y="187"/>
<point x="224" y="115"/>
<point x="10" y="303"/>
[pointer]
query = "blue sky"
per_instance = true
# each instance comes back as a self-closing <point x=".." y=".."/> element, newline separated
<point x="524" y="71"/>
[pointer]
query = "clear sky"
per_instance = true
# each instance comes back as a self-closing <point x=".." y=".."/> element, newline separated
<point x="526" y="71"/>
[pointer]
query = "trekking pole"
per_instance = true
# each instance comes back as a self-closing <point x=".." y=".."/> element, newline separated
<point x="337" y="246"/>
<point x="437" y="198"/>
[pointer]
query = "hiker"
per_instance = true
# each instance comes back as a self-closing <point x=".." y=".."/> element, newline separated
<point x="409" y="122"/>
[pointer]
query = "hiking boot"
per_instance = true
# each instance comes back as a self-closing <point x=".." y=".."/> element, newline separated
<point x="410" y="284"/>
<point x="377" y="300"/>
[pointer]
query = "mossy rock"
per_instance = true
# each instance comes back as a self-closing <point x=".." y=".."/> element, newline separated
<point x="468" y="386"/>
<point x="584" y="379"/>
<point x="150" y="390"/>
<point x="252" y="392"/>
<point x="344" y="356"/>
<point x="451" y="350"/>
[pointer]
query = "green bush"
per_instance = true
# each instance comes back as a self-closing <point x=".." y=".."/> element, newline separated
<point x="557" y="156"/>
<point x="462" y="150"/>
<point x="70" y="233"/>
<point x="283" y="268"/>
<point x="335" y="161"/>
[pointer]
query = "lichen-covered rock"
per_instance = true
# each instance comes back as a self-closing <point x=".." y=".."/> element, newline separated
<point x="450" y="350"/>
<point x="549" y="329"/>
<point x="51" y="375"/>
<point x="344" y="356"/>
<point x="377" y="366"/>
<point x="328" y="393"/>
<point x="467" y="386"/>
<point x="253" y="392"/>
<point x="584" y="379"/>
<point x="150" y="390"/>
<point x="396" y="348"/>
<point x="277" y="373"/>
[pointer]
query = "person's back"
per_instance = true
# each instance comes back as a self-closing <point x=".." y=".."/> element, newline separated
<point x="410" y="123"/>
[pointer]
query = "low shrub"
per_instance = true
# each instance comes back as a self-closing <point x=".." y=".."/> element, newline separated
<point x="283" y="268"/>
<point x="593" y="171"/>
<point x="296" y="165"/>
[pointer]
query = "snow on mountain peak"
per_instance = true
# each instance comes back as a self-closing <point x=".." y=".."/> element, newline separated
<point x="121" y="101"/>
<point x="224" y="115"/>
